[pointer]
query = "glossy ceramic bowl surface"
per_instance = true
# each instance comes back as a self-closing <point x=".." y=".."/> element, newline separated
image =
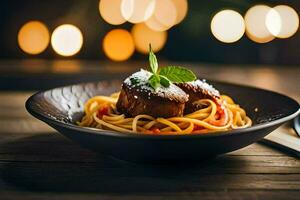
<point x="62" y="107"/>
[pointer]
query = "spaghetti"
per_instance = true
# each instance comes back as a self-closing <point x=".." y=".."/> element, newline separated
<point x="101" y="113"/>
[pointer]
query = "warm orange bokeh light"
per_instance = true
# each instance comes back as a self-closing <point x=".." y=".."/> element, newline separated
<point x="256" y="27"/>
<point x="181" y="8"/>
<point x="110" y="11"/>
<point x="273" y="22"/>
<point x="118" y="45"/>
<point x="67" y="40"/>
<point x="164" y="16"/>
<point x="228" y="26"/>
<point x="288" y="19"/>
<point x="33" y="37"/>
<point x="136" y="11"/>
<point x="143" y="35"/>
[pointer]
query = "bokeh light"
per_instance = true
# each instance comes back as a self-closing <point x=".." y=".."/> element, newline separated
<point x="181" y="8"/>
<point x="164" y="16"/>
<point x="110" y="11"/>
<point x="228" y="26"/>
<point x="118" y="45"/>
<point x="273" y="22"/>
<point x="256" y="24"/>
<point x="67" y="40"/>
<point x="136" y="11"/>
<point x="143" y="35"/>
<point x="33" y="37"/>
<point x="155" y="25"/>
<point x="287" y="21"/>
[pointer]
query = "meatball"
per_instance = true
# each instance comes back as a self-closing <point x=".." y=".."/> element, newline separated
<point x="137" y="97"/>
<point x="198" y="90"/>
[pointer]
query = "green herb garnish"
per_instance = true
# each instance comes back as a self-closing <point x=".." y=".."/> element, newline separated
<point x="177" y="74"/>
<point x="154" y="81"/>
<point x="164" y="81"/>
<point x="134" y="81"/>
<point x="167" y="75"/>
<point x="152" y="60"/>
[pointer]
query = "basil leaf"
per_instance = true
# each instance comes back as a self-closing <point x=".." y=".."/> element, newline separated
<point x="164" y="81"/>
<point x="134" y="81"/>
<point x="154" y="81"/>
<point x="177" y="74"/>
<point x="152" y="61"/>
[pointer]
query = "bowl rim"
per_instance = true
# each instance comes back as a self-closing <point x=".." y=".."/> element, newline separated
<point x="49" y="120"/>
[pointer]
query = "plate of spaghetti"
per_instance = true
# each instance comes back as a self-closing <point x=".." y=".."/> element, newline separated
<point x="162" y="114"/>
<point x="143" y="111"/>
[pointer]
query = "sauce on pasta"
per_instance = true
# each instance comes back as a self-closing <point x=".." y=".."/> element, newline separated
<point x="101" y="112"/>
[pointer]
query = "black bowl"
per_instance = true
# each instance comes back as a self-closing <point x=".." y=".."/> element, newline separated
<point x="62" y="107"/>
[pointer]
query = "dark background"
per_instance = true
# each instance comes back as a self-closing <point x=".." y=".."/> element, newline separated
<point x="191" y="40"/>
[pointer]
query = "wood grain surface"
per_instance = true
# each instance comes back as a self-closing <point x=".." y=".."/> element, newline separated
<point x="36" y="162"/>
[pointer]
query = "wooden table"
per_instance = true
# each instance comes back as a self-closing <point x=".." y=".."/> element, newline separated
<point x="36" y="162"/>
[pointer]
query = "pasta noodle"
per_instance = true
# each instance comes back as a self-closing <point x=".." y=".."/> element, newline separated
<point x="100" y="112"/>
